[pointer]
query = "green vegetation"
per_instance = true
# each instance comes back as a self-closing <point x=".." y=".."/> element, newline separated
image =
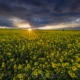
<point x="39" y="55"/>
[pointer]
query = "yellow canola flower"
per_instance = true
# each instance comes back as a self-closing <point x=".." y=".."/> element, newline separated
<point x="14" y="78"/>
<point x="1" y="56"/>
<point x="34" y="57"/>
<point x="12" y="59"/>
<point x="35" y="73"/>
<point x="74" y="68"/>
<point x="65" y="64"/>
<point x="72" y="60"/>
<point x="61" y="60"/>
<point x="28" y="66"/>
<point x="52" y="54"/>
<point x="62" y="71"/>
<point x="78" y="59"/>
<point x="26" y="61"/>
<point x="15" y="66"/>
<point x="36" y="63"/>
<point x="58" y="64"/>
<point x="73" y="75"/>
<point x="20" y="76"/>
<point x="26" y="69"/>
<point x="39" y="71"/>
<point x="3" y="64"/>
<point x="46" y="63"/>
<point x="78" y="65"/>
<point x="47" y="56"/>
<point x="69" y="72"/>
<point x="33" y="68"/>
<point x="53" y="65"/>
<point x="47" y="74"/>
<point x="29" y="78"/>
<point x="41" y="65"/>
<point x="1" y="76"/>
<point x="9" y="54"/>
<point x="20" y="66"/>
<point x="44" y="66"/>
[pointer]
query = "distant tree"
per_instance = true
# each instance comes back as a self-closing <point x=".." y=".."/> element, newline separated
<point x="63" y="29"/>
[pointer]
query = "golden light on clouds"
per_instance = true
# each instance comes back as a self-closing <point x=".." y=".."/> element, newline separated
<point x="57" y="26"/>
<point x="24" y="26"/>
<point x="21" y="25"/>
<point x="45" y="27"/>
<point x="73" y="26"/>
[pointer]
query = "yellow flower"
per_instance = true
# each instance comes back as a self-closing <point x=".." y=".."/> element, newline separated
<point x="26" y="61"/>
<point x="39" y="71"/>
<point x="29" y="78"/>
<point x="34" y="57"/>
<point x="35" y="73"/>
<point x="20" y="66"/>
<point x="28" y="66"/>
<point x="62" y="71"/>
<point x="12" y="59"/>
<point x="52" y="54"/>
<point x="58" y="64"/>
<point x="44" y="66"/>
<point x="14" y="78"/>
<point x="53" y="65"/>
<point x="78" y="65"/>
<point x="74" y="68"/>
<point x="36" y="63"/>
<point x="41" y="65"/>
<point x="20" y="76"/>
<point x="69" y="72"/>
<point x="47" y="56"/>
<point x="65" y="64"/>
<point x="26" y="69"/>
<point x="72" y="60"/>
<point x="15" y="66"/>
<point x="73" y="75"/>
<point x="78" y="59"/>
<point x="47" y="74"/>
<point x="61" y="60"/>
<point x="1" y="56"/>
<point x="3" y="64"/>
<point x="33" y="68"/>
<point x="45" y="63"/>
<point x="9" y="53"/>
<point x="1" y="76"/>
<point x="21" y="79"/>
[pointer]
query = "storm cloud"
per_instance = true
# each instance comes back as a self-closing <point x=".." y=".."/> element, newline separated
<point x="39" y="13"/>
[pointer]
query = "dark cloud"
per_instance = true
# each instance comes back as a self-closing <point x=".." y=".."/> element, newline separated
<point x="5" y="22"/>
<point x="39" y="13"/>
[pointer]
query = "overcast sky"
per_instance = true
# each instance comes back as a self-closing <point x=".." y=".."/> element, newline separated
<point x="40" y="14"/>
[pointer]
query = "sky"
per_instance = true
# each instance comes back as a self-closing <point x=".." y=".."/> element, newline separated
<point x="40" y="14"/>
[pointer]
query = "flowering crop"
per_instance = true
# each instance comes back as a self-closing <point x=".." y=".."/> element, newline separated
<point x="39" y="55"/>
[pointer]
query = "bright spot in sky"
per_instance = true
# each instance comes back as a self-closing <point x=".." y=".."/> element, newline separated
<point x="72" y="26"/>
<point x="46" y="27"/>
<point x="15" y="20"/>
<point x="29" y="29"/>
<point x="24" y="26"/>
<point x="78" y="19"/>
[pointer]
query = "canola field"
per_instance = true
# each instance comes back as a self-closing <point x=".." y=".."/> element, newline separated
<point x="39" y="55"/>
